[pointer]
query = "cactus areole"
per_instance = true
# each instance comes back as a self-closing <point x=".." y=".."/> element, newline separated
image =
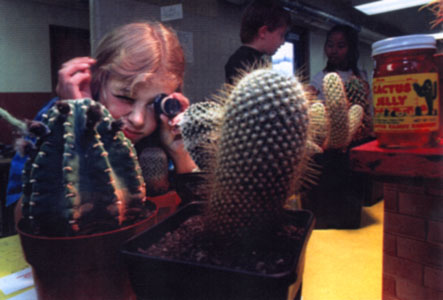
<point x="260" y="153"/>
<point x="82" y="175"/>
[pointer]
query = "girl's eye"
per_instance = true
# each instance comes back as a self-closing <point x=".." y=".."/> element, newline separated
<point x="125" y="98"/>
<point x="150" y="106"/>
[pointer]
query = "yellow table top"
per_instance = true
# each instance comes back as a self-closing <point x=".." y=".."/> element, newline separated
<point x="11" y="260"/>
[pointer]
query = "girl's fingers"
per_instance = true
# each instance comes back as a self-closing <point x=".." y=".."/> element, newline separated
<point x="183" y="100"/>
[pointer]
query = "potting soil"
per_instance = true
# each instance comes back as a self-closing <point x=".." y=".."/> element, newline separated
<point x="189" y="242"/>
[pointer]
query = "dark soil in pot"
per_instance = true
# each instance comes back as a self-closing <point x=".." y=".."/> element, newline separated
<point x="273" y="254"/>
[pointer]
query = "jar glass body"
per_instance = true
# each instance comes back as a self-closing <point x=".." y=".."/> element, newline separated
<point x="406" y="98"/>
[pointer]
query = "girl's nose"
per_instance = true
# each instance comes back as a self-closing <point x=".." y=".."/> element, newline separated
<point x="137" y="117"/>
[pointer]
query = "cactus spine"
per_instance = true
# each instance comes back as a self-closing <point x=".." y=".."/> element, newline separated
<point x="82" y="176"/>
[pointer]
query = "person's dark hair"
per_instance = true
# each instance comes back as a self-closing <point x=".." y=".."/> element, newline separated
<point x="262" y="13"/>
<point x="351" y="36"/>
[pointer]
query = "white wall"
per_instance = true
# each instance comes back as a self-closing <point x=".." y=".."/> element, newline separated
<point x="209" y="32"/>
<point x="24" y="43"/>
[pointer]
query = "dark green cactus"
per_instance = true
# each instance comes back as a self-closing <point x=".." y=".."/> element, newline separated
<point x="82" y="175"/>
<point x="260" y="154"/>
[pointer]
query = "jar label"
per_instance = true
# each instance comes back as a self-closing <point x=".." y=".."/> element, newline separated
<point x="406" y="103"/>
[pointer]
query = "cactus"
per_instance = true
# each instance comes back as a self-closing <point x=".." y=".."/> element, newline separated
<point x="357" y="92"/>
<point x="341" y="120"/>
<point x="82" y="175"/>
<point x="429" y="91"/>
<point x="200" y="130"/>
<point x="154" y="165"/>
<point x="261" y="152"/>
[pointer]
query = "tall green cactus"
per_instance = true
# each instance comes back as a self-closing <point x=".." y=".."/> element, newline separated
<point x="260" y="154"/>
<point x="82" y="174"/>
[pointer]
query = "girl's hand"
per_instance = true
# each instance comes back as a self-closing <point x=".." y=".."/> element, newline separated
<point x="74" y="78"/>
<point x="172" y="141"/>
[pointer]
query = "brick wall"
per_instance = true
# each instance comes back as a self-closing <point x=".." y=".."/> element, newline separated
<point x="413" y="241"/>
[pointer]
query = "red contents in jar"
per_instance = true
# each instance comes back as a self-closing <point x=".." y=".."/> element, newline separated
<point x="406" y="98"/>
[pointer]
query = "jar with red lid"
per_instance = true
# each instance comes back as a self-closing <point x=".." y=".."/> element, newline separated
<point x="405" y="90"/>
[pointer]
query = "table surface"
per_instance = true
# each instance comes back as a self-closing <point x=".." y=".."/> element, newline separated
<point x="11" y="260"/>
<point x="412" y="162"/>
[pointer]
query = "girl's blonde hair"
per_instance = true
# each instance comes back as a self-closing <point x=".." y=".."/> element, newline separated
<point x="138" y="52"/>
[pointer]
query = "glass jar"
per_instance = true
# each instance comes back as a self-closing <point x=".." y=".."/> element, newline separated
<point x="405" y="90"/>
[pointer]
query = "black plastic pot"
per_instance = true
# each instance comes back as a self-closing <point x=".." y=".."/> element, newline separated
<point x="158" y="278"/>
<point x="337" y="198"/>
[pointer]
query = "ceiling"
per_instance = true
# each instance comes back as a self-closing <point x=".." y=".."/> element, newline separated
<point x="325" y="13"/>
<point x="402" y="22"/>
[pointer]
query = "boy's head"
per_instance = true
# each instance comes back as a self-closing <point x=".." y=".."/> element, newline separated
<point x="264" y="24"/>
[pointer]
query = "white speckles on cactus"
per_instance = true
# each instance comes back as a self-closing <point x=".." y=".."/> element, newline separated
<point x="200" y="130"/>
<point x="340" y="130"/>
<point x="318" y="125"/>
<point x="260" y="152"/>
<point x="355" y="116"/>
<point x="337" y="110"/>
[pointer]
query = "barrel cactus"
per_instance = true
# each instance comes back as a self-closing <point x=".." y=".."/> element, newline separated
<point x="82" y="175"/>
<point x="260" y="155"/>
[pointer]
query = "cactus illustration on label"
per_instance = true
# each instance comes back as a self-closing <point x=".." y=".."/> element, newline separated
<point x="428" y="91"/>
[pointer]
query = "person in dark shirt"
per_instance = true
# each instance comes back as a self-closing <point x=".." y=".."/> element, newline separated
<point x="262" y="32"/>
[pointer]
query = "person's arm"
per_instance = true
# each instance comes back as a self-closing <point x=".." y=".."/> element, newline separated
<point x="14" y="188"/>
<point x="74" y="78"/>
<point x="172" y="142"/>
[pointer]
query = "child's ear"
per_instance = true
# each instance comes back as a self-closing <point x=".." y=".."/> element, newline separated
<point x="262" y="31"/>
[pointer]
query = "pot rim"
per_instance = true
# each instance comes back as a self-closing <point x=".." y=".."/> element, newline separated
<point x="86" y="236"/>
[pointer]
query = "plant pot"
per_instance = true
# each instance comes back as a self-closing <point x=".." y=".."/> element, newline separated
<point x="157" y="278"/>
<point x="337" y="197"/>
<point x="81" y="267"/>
<point x="166" y="204"/>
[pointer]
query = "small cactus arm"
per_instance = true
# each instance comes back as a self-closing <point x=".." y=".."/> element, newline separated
<point x="318" y="125"/>
<point x="260" y="154"/>
<point x="82" y="175"/>
<point x="154" y="164"/>
<point x="341" y="122"/>
<point x="357" y="92"/>
<point x="200" y="126"/>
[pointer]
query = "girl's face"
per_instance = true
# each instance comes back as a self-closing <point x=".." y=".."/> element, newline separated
<point x="336" y="49"/>
<point x="136" y="111"/>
